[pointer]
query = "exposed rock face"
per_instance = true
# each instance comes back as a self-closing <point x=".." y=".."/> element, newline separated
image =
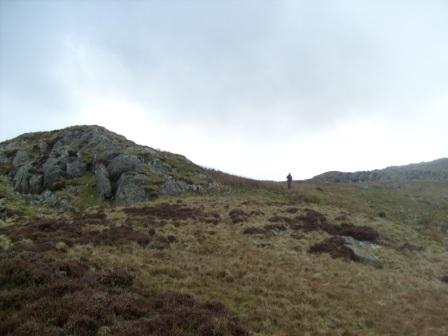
<point x="75" y="157"/>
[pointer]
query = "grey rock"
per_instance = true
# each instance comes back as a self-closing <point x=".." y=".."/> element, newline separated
<point x="75" y="168"/>
<point x="20" y="158"/>
<point x="103" y="186"/>
<point x="121" y="164"/>
<point x="43" y="147"/>
<point x="174" y="187"/>
<point x="21" y="179"/>
<point x="159" y="167"/>
<point x="281" y="232"/>
<point x="52" y="172"/>
<point x="364" y="251"/>
<point x="131" y="188"/>
<point x="36" y="184"/>
<point x="52" y="200"/>
<point x="61" y="153"/>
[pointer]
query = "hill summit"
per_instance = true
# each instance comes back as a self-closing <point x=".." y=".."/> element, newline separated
<point x="80" y="162"/>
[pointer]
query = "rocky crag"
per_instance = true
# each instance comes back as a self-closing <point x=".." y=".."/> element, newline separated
<point x="426" y="171"/>
<point x="89" y="164"/>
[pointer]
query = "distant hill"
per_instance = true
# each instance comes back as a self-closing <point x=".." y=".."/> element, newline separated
<point x="428" y="171"/>
<point x="90" y="164"/>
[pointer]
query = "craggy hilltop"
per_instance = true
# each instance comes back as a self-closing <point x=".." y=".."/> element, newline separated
<point x="67" y="160"/>
<point x="100" y="236"/>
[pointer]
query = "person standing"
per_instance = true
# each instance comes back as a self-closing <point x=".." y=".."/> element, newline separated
<point x="289" y="180"/>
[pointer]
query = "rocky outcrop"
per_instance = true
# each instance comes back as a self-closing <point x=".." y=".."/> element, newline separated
<point x="73" y="158"/>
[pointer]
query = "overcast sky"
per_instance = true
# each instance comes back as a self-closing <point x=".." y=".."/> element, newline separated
<point x="257" y="88"/>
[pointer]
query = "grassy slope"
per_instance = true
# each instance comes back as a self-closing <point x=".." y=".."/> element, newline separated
<point x="272" y="283"/>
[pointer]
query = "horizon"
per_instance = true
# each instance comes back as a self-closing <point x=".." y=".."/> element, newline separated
<point x="255" y="90"/>
<point x="226" y="172"/>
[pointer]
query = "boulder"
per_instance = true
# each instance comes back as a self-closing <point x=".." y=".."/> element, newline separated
<point x="363" y="251"/>
<point x="75" y="168"/>
<point x="52" y="172"/>
<point x="121" y="164"/>
<point x="103" y="186"/>
<point x="173" y="187"/>
<point x="131" y="188"/>
<point x="21" y="179"/>
<point x="36" y="184"/>
<point x="20" y="158"/>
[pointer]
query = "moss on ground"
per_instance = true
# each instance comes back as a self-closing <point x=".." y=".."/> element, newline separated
<point x="86" y="195"/>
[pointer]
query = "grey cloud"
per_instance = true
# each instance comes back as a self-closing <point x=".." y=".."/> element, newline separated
<point x="257" y="70"/>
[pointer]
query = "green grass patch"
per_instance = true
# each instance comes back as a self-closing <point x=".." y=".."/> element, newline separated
<point x="5" y="243"/>
<point x="86" y="195"/>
